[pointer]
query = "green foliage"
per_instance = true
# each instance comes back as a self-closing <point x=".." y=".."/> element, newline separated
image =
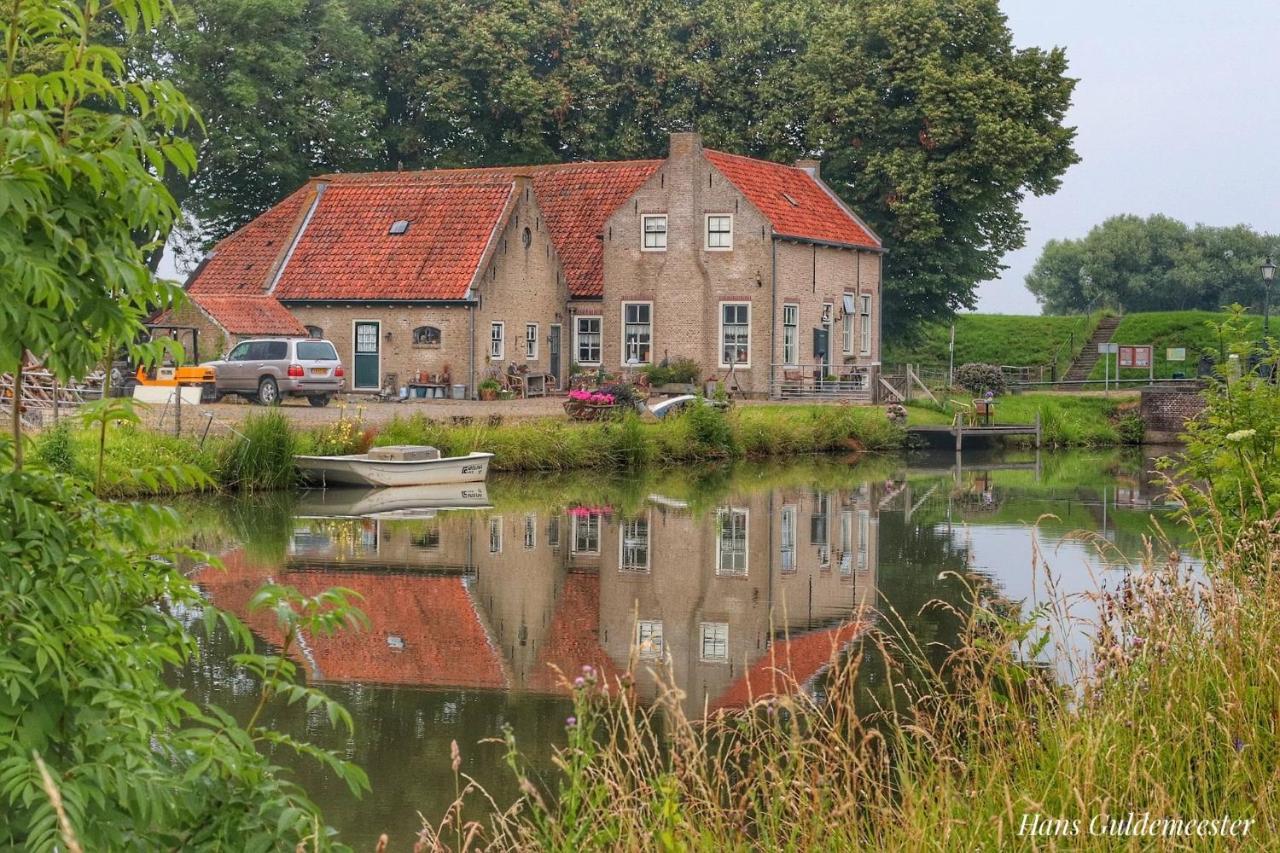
<point x="135" y="460"/>
<point x="1066" y="420"/>
<point x="261" y="456"/>
<point x="92" y="610"/>
<point x="1131" y="428"/>
<point x="709" y="429"/>
<point x="84" y="145"/>
<point x="1152" y="264"/>
<point x="993" y="339"/>
<point x="980" y="378"/>
<point x="56" y="449"/>
<point x="680" y="370"/>
<point x="930" y="122"/>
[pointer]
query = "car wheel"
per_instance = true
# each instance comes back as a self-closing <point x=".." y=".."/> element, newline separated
<point x="268" y="392"/>
<point x="319" y="400"/>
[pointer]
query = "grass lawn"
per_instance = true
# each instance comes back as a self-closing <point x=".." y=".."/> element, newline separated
<point x="998" y="339"/>
<point x="1164" y="329"/>
<point x="1067" y="420"/>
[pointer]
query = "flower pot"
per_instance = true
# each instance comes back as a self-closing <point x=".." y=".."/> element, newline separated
<point x="488" y="394"/>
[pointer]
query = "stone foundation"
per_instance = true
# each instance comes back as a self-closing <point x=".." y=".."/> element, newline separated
<point x="1166" y="410"/>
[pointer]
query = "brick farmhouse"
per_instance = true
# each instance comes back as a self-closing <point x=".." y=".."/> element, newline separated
<point x="755" y="270"/>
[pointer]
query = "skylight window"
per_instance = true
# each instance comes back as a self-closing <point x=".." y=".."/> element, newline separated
<point x="399" y="227"/>
<point x="791" y="201"/>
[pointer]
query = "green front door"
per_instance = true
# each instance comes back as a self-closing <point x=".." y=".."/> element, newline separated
<point x="366" y="356"/>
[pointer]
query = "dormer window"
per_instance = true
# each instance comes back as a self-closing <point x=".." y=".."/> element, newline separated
<point x="399" y="227"/>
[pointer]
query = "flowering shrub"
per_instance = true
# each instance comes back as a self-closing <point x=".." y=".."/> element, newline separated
<point x="596" y="397"/>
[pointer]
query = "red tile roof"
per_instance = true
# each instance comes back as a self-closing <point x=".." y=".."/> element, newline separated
<point x="242" y="262"/>
<point x="433" y="619"/>
<point x="346" y="252"/>
<point x="787" y="666"/>
<point x="573" y="641"/>
<point x="248" y="314"/>
<point x="795" y="204"/>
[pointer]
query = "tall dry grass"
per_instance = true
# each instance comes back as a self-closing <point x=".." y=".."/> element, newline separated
<point x="1173" y="712"/>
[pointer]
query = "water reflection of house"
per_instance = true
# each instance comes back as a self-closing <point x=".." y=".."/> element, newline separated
<point x="496" y="600"/>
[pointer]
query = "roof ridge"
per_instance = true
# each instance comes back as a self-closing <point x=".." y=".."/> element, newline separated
<point x="513" y="167"/>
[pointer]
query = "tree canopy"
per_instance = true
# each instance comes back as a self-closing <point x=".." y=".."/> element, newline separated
<point x="931" y="124"/>
<point x="1152" y="264"/>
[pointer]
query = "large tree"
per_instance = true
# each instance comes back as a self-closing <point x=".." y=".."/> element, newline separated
<point x="929" y="121"/>
<point x="1152" y="264"/>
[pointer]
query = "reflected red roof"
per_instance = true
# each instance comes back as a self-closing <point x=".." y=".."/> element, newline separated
<point x="795" y="204"/>
<point x="248" y="314"/>
<point x="573" y="640"/>
<point x="788" y="665"/>
<point x="424" y="630"/>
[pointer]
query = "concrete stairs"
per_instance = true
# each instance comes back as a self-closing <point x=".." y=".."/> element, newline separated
<point x="1083" y="365"/>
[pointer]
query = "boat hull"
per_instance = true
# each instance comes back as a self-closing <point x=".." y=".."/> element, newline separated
<point x="398" y="502"/>
<point x="360" y="470"/>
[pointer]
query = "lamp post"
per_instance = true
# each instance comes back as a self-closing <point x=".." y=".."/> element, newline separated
<point x="1268" y="276"/>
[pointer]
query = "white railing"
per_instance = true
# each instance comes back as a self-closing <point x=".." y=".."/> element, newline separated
<point x="819" y="381"/>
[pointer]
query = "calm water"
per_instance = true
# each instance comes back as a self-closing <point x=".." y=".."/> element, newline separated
<point x="726" y="573"/>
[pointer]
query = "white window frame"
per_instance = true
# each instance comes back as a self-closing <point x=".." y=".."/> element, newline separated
<point x="530" y="531"/>
<point x="577" y="339"/>
<point x="849" y="320"/>
<point x="706" y="233"/>
<point x="644" y="232"/>
<point x="846" y="542"/>
<point x="719" y="639"/>
<point x="495" y="534"/>
<point x="740" y="561"/>
<point x="865" y="305"/>
<point x="746" y="365"/>
<point x="790" y="334"/>
<point x="864" y="535"/>
<point x="498" y="341"/>
<point x="531" y="341"/>
<point x="631" y="566"/>
<point x="591" y="520"/>
<point x="624" y="324"/>
<point x="789" y="527"/>
<point x="648" y="639"/>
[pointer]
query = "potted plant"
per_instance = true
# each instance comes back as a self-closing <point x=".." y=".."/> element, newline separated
<point x="489" y="389"/>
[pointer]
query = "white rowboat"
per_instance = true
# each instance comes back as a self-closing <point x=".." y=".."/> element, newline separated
<point x="400" y="502"/>
<point x="379" y="467"/>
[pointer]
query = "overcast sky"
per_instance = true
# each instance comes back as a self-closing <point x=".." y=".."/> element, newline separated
<point x="1177" y="110"/>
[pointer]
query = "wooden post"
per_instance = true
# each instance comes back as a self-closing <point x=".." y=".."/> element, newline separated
<point x="55" y="400"/>
<point x="959" y="435"/>
<point x="177" y="410"/>
<point x="1037" y="441"/>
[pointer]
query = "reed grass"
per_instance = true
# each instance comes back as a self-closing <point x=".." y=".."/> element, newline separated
<point x="1171" y="711"/>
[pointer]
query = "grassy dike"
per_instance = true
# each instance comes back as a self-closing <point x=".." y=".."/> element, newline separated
<point x="261" y="458"/>
<point x="1066" y="420"/>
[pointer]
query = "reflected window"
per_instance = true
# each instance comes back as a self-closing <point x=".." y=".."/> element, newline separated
<point x="428" y="539"/>
<point x="649" y="644"/>
<point x="731" y="542"/>
<point x="864" y="534"/>
<point x="553" y="532"/>
<point x="788" y="538"/>
<point x="495" y="535"/>
<point x="715" y="642"/>
<point x="846" y="542"/>
<point x="634" y="545"/>
<point x="820" y="519"/>
<point x="586" y="534"/>
<point x="530" y="532"/>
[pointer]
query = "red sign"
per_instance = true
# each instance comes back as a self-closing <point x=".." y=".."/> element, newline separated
<point x="1135" y="356"/>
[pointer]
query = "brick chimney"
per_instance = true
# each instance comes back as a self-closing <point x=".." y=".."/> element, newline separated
<point x="813" y="167"/>
<point x="685" y="144"/>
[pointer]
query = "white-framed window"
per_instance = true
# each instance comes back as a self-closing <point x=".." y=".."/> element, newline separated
<point x="864" y="535"/>
<point x="531" y="341"/>
<point x="586" y="534"/>
<point x="715" y="642"/>
<point x="633" y="545"/>
<point x="735" y="334"/>
<point x="553" y="532"/>
<point x="530" y="531"/>
<point x="495" y="534"/>
<point x="731" y="541"/>
<point x="649" y="644"/>
<point x="865" y="316"/>
<point x="586" y="333"/>
<point x="787" y="536"/>
<point x="637" y="332"/>
<point x="849" y="320"/>
<point x="719" y="232"/>
<point x="791" y="334"/>
<point x="846" y="542"/>
<point x="497" y="341"/>
<point x="654" y="232"/>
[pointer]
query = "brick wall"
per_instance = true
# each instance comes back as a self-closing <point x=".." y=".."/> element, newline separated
<point x="1165" y="411"/>
<point x="213" y="341"/>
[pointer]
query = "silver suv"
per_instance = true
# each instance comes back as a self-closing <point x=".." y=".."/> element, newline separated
<point x="265" y="371"/>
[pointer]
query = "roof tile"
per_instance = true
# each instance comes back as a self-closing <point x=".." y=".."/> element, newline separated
<point x="248" y="314"/>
